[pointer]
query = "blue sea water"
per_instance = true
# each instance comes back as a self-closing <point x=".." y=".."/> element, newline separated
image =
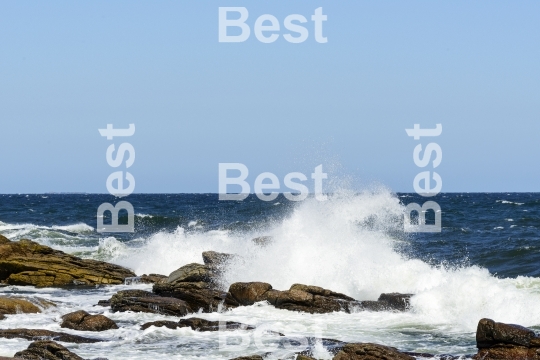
<point x="484" y="263"/>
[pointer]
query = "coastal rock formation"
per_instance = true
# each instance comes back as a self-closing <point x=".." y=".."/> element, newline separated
<point x="83" y="321"/>
<point x="49" y="350"/>
<point x="26" y="262"/>
<point x="196" y="284"/>
<point x="33" y="334"/>
<point x="368" y="351"/>
<point x="198" y="325"/>
<point x="145" y="301"/>
<point x="505" y="341"/>
<point x="305" y="298"/>
<point x="311" y="299"/>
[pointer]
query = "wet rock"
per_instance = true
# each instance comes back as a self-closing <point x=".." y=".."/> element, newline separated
<point x="145" y="301"/>
<point x="104" y="303"/>
<point x="215" y="259"/>
<point x="305" y="298"/>
<point x="48" y="350"/>
<point x="83" y="321"/>
<point x="368" y="351"/>
<point x="198" y="295"/>
<point x="198" y="324"/>
<point x="15" y="305"/>
<point x="153" y="279"/>
<point x="490" y="333"/>
<point x="388" y="302"/>
<point x="505" y="341"/>
<point x="163" y="323"/>
<point x="262" y="240"/>
<point x="37" y="334"/>
<point x="26" y="262"/>
<point x="253" y="357"/>
<point x="191" y="273"/>
<point x="2" y="316"/>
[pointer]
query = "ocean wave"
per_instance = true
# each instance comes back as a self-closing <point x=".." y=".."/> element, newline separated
<point x="509" y="202"/>
<point x="348" y="244"/>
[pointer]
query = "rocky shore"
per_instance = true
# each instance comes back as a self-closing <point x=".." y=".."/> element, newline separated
<point x="196" y="288"/>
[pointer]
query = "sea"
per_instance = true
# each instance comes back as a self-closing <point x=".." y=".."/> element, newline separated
<point x="485" y="263"/>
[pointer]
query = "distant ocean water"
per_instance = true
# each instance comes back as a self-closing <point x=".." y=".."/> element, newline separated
<point x="484" y="263"/>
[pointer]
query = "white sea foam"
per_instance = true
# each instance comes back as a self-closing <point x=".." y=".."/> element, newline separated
<point x="344" y="244"/>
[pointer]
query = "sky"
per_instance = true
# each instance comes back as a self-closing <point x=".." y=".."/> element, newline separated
<point x="70" y="68"/>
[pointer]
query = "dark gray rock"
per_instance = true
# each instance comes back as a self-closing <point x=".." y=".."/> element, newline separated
<point x="36" y="334"/>
<point x="144" y="301"/>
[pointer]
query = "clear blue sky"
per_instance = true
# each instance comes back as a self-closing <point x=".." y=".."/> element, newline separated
<point x="68" y="68"/>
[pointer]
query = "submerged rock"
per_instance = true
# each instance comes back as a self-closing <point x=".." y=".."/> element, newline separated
<point x="35" y="334"/>
<point x="505" y="341"/>
<point x="368" y="351"/>
<point x="83" y="321"/>
<point x="26" y="262"/>
<point x="145" y="301"/>
<point x="198" y="324"/>
<point x="48" y="350"/>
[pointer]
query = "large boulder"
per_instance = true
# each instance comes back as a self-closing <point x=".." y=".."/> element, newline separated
<point x="191" y="273"/>
<point x="32" y="334"/>
<point x="368" y="351"/>
<point x="216" y="260"/>
<point x="83" y="321"/>
<point x="199" y="295"/>
<point x="48" y="350"/>
<point x="145" y="301"/>
<point x="506" y="341"/>
<point x="26" y="262"/>
<point x="196" y="284"/>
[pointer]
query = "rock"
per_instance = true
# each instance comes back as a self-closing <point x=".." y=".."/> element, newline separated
<point x="26" y="262"/>
<point x="15" y="305"/>
<point x="198" y="324"/>
<point x="48" y="350"/>
<point x="389" y="301"/>
<point x="198" y="295"/>
<point x="83" y="321"/>
<point x="305" y="298"/>
<point x="368" y="351"/>
<point x="253" y="357"/>
<point x="153" y="279"/>
<point x="33" y="334"/>
<point x="215" y="259"/>
<point x="191" y="273"/>
<point x="145" y="301"/>
<point x="2" y="316"/>
<point x="104" y="303"/>
<point x="489" y="333"/>
<point x="262" y="240"/>
<point x="247" y="293"/>
<point x="505" y="341"/>
<point x="163" y="323"/>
